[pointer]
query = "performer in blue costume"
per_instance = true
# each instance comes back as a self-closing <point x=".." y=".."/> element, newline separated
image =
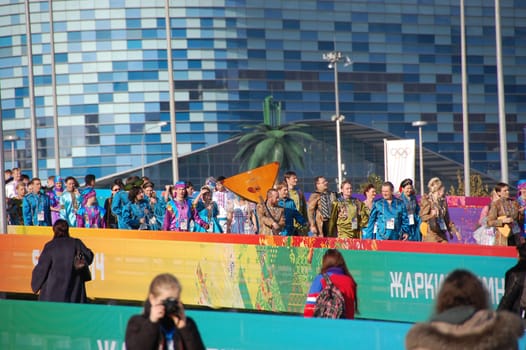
<point x="35" y="206"/>
<point x="207" y="210"/>
<point x="407" y="195"/>
<point x="70" y="202"/>
<point x="388" y="219"/>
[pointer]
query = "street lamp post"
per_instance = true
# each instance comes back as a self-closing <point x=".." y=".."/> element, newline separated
<point x="13" y="139"/>
<point x="334" y="58"/>
<point x="419" y="124"/>
<point x="158" y="125"/>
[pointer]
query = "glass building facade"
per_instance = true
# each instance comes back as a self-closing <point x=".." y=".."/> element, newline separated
<point x="112" y="77"/>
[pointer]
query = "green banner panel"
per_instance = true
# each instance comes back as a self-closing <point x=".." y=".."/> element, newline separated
<point x="27" y="325"/>
<point x="54" y="326"/>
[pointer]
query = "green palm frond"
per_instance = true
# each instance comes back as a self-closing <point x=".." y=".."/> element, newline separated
<point x="262" y="144"/>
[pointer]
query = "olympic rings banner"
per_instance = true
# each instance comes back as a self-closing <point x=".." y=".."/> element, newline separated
<point x="399" y="158"/>
<point x="397" y="281"/>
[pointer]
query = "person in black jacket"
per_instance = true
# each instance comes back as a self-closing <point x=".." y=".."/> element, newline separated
<point x="163" y="324"/>
<point x="54" y="275"/>
<point x="514" y="284"/>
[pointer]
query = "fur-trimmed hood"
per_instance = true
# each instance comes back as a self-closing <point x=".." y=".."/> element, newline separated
<point x="481" y="330"/>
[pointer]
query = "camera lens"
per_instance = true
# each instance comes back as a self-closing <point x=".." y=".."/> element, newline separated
<point x="171" y="306"/>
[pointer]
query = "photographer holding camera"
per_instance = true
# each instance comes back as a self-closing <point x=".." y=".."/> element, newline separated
<point x="163" y="324"/>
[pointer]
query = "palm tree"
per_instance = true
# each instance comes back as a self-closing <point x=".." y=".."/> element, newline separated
<point x="265" y="144"/>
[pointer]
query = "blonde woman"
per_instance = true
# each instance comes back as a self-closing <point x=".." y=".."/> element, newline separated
<point x="163" y="324"/>
<point x="434" y="211"/>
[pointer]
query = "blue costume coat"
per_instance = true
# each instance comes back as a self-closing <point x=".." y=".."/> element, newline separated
<point x="120" y="199"/>
<point x="69" y="205"/>
<point x="291" y="214"/>
<point x="208" y="217"/>
<point x="36" y="210"/>
<point x="412" y="208"/>
<point x="382" y="214"/>
<point x="133" y="212"/>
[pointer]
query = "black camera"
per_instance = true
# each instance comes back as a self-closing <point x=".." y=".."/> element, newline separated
<point x="171" y="306"/>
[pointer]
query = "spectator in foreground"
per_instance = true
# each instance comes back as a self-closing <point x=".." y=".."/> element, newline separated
<point x="54" y="276"/>
<point x="514" y="285"/>
<point x="163" y="324"/>
<point x="333" y="265"/>
<point x="463" y="319"/>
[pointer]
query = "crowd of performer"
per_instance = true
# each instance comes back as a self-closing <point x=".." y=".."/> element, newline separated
<point x="286" y="210"/>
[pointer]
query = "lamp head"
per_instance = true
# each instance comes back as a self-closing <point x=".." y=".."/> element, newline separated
<point x="419" y="123"/>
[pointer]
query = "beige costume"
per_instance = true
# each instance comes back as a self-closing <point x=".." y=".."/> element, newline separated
<point x="269" y="215"/>
<point x="504" y="207"/>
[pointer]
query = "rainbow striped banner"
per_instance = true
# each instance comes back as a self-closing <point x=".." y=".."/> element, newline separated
<point x="397" y="281"/>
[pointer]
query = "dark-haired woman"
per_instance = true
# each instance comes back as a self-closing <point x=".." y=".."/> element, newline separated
<point x="505" y="215"/>
<point x="333" y="264"/>
<point x="463" y="319"/>
<point x="54" y="276"/>
<point x="109" y="216"/>
<point x="407" y="195"/>
<point x="370" y="193"/>
<point x="137" y="213"/>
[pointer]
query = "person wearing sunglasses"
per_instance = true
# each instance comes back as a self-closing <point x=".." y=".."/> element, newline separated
<point x="109" y="217"/>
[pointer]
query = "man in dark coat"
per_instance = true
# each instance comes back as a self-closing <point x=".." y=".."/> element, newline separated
<point x="514" y="284"/>
<point x="54" y="275"/>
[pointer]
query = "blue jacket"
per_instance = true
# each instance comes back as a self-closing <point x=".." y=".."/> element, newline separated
<point x="412" y="208"/>
<point x="291" y="214"/>
<point x="206" y="217"/>
<point x="35" y="207"/>
<point x="120" y="199"/>
<point x="69" y="204"/>
<point x="382" y="214"/>
<point x="133" y="212"/>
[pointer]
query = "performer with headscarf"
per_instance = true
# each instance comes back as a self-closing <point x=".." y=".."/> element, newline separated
<point x="54" y="194"/>
<point x="90" y="214"/>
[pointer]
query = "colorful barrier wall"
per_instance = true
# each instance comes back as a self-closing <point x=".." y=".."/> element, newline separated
<point x="397" y="281"/>
<point x="52" y="326"/>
